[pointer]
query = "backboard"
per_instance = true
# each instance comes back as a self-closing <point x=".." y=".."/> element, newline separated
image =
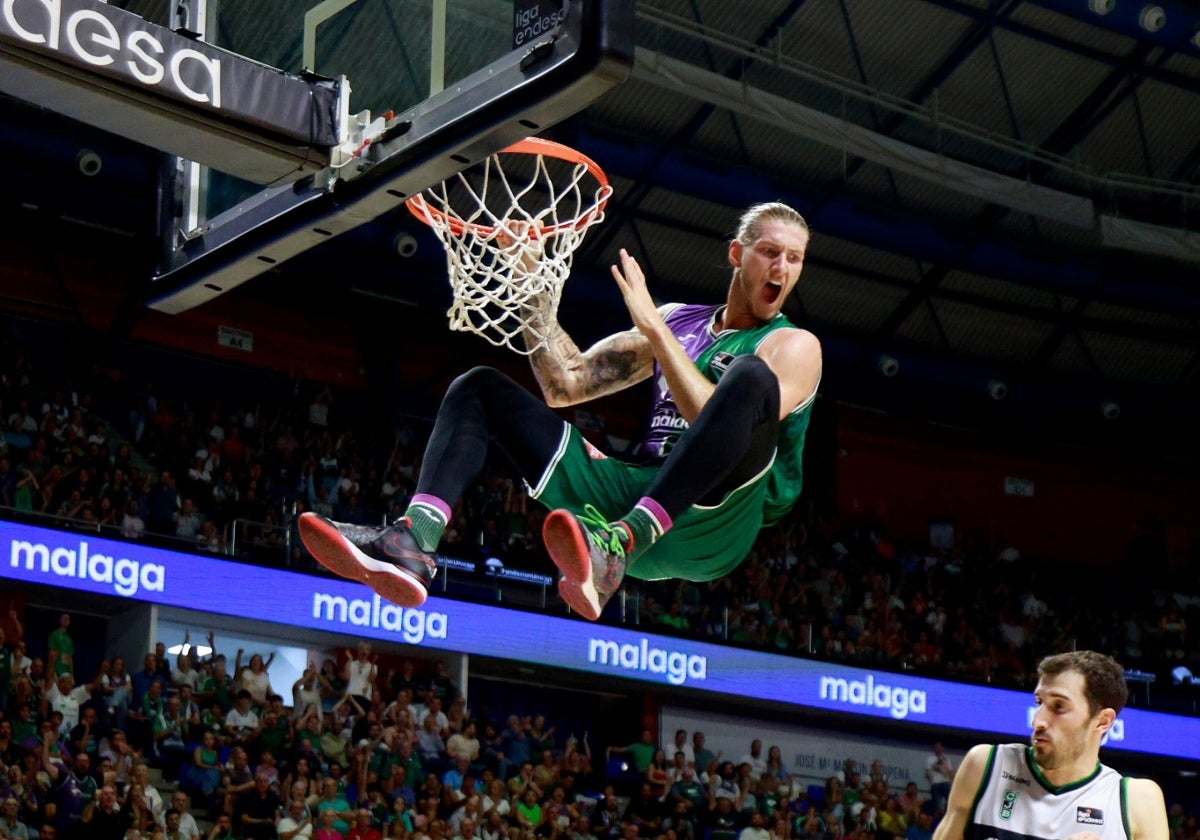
<point x="427" y="87"/>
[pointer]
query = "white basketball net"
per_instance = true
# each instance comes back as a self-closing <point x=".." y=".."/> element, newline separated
<point x="506" y="285"/>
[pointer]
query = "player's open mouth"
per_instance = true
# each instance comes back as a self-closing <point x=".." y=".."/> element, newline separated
<point x="771" y="291"/>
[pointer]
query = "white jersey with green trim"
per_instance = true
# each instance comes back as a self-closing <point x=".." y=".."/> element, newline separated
<point x="1015" y="801"/>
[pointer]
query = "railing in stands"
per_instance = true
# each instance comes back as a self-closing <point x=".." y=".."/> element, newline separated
<point x="271" y="544"/>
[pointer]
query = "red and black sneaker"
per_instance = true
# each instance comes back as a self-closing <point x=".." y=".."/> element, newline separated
<point x="590" y="553"/>
<point x="386" y="559"/>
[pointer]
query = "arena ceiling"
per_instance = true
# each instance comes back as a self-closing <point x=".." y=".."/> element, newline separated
<point x="1001" y="191"/>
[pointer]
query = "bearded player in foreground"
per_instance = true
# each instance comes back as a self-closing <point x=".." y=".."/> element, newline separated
<point x="1056" y="788"/>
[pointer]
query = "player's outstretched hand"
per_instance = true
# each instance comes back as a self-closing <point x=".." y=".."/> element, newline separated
<point x="632" y="283"/>
<point x="523" y="241"/>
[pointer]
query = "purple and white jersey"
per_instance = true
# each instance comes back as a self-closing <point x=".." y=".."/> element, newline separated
<point x="692" y="326"/>
<point x="71" y="794"/>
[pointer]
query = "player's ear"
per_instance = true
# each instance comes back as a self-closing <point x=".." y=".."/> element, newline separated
<point x="735" y="253"/>
<point x="1105" y="718"/>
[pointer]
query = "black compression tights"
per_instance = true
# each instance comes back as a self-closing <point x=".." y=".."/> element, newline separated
<point x="731" y="441"/>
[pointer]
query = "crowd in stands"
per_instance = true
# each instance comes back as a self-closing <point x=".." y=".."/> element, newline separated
<point x="80" y="448"/>
<point x="201" y="747"/>
<point x="204" y="473"/>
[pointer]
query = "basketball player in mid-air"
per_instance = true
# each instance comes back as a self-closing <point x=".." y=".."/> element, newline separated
<point x="734" y="386"/>
<point x="1055" y="788"/>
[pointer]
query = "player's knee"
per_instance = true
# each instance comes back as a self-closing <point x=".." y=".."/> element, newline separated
<point x="476" y="378"/>
<point x="751" y="372"/>
<point x="755" y="384"/>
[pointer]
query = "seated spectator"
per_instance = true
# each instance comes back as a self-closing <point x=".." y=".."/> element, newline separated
<point x="756" y="760"/>
<point x="541" y="737"/>
<point x="674" y="619"/>
<point x="808" y="823"/>
<point x="333" y="802"/>
<point x="163" y="505"/>
<point x="210" y="538"/>
<point x="306" y="692"/>
<point x="71" y="790"/>
<point x="835" y="799"/>
<point x="681" y="822"/>
<point x="258" y="810"/>
<point x="84" y="736"/>
<point x="890" y="819"/>
<point x="545" y="773"/>
<point x="241" y="723"/>
<point x="1172" y="631"/>
<point x="107" y="516"/>
<point x="646" y="811"/>
<point x="335" y="738"/>
<point x="756" y="830"/>
<point x="236" y="779"/>
<point x="217" y="687"/>
<point x="204" y="772"/>
<point x="138" y="812"/>
<point x="771" y="796"/>
<point x="254" y="678"/>
<point x="921" y="828"/>
<point x="296" y="822"/>
<point x="496" y="827"/>
<point x="188" y="828"/>
<point x="11" y="827"/>
<point x="657" y="775"/>
<point x="528" y="813"/>
<point x="132" y="524"/>
<point x="117" y="758"/>
<point x="430" y="747"/>
<point x="169" y="737"/>
<point x="722" y="821"/>
<point x="62" y="695"/>
<point x="640" y="751"/>
<point x="775" y="765"/>
<point x="514" y="744"/>
<point x="433" y="708"/>
<point x="723" y="784"/>
<point x="910" y="801"/>
<point x="460" y="771"/>
<point x="327" y="827"/>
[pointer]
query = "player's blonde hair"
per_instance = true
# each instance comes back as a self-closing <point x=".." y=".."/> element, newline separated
<point x="752" y="221"/>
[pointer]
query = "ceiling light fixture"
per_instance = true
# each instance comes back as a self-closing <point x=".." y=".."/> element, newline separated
<point x="201" y="650"/>
<point x="1152" y="18"/>
<point x="1110" y="410"/>
<point x="997" y="390"/>
<point x="1102" y="7"/>
<point x="889" y="366"/>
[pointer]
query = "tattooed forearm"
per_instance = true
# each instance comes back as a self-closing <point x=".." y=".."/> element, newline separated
<point x="615" y="366"/>
<point x="547" y="374"/>
<point x="553" y="362"/>
<point x="567" y="376"/>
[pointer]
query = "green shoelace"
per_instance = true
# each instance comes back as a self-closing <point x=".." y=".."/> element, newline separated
<point x="600" y="532"/>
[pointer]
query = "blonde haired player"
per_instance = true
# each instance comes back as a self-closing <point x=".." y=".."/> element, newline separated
<point x="734" y="388"/>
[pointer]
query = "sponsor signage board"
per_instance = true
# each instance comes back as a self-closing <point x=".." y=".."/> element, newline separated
<point x="87" y="563"/>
